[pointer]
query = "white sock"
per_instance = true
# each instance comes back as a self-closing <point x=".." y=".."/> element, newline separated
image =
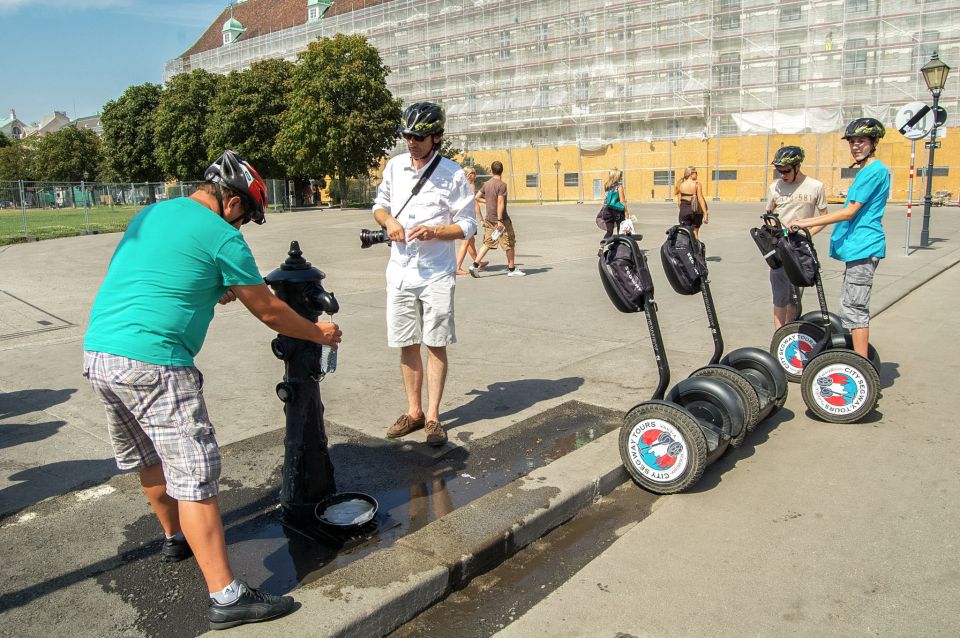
<point x="176" y="537"/>
<point x="228" y="594"/>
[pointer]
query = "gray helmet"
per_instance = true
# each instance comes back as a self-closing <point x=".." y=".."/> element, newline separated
<point x="238" y="175"/>
<point x="788" y="156"/>
<point x="864" y="127"/>
<point x="422" y="118"/>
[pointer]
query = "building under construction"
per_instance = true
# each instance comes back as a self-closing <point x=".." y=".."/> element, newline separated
<point x="567" y="89"/>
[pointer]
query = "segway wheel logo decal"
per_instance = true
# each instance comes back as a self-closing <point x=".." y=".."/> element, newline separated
<point x="658" y="450"/>
<point x="839" y="389"/>
<point x="793" y="352"/>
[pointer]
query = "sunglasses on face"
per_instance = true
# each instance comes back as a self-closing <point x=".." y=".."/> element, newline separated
<point x="411" y="136"/>
<point x="785" y="171"/>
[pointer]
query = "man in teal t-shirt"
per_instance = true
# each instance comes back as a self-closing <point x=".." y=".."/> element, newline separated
<point x="858" y="239"/>
<point x="175" y="262"/>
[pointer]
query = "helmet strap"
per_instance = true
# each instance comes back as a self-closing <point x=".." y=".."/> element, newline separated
<point x="219" y="193"/>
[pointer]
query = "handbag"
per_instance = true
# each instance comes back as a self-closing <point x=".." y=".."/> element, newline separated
<point x="767" y="238"/>
<point x="624" y="274"/>
<point x="683" y="260"/>
<point x="799" y="259"/>
<point x="695" y="201"/>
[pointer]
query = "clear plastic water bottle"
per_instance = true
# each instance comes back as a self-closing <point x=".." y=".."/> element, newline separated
<point x="328" y="359"/>
<point x="495" y="235"/>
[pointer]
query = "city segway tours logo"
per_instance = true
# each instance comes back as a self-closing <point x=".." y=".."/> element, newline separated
<point x="657" y="450"/>
<point x="793" y="352"/>
<point x="839" y="389"/>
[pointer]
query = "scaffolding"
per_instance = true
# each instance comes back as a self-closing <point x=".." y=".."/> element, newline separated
<point x="587" y="72"/>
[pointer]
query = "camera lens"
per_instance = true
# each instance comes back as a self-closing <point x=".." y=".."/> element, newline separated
<point x="370" y="237"/>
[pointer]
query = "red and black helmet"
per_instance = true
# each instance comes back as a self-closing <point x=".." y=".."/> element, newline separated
<point x="238" y="175"/>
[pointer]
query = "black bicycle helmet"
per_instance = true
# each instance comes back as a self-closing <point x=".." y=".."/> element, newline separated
<point x="788" y="156"/>
<point x="422" y="118"/>
<point x="238" y="175"/>
<point x="864" y="127"/>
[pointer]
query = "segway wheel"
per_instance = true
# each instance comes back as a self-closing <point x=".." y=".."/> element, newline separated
<point x="715" y="405"/>
<point x="791" y="344"/>
<point x="840" y="386"/>
<point x="662" y="447"/>
<point x="749" y="401"/>
<point x="872" y="353"/>
<point x="764" y="374"/>
<point x="815" y="317"/>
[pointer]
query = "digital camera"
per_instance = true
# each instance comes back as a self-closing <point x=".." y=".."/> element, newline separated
<point x="370" y="237"/>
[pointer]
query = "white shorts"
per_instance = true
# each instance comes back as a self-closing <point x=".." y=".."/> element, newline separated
<point x="422" y="315"/>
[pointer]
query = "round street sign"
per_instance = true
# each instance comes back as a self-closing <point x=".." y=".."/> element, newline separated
<point x="918" y="130"/>
<point x="941" y="116"/>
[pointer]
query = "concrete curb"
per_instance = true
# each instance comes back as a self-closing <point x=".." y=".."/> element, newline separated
<point x="378" y="593"/>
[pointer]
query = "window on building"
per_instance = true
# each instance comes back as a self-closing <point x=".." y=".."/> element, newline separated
<point x="571" y="179"/>
<point x="857" y="6"/>
<point x="543" y="95"/>
<point x="729" y="21"/>
<point x="791" y="12"/>
<point x="663" y="178"/>
<point x="313" y="13"/>
<point x="543" y="31"/>
<point x="726" y="126"/>
<point x="938" y="171"/>
<point x="579" y="25"/>
<point x="582" y="88"/>
<point x="469" y="59"/>
<point x="532" y="180"/>
<point x="620" y="25"/>
<point x="435" y="56"/>
<point x="471" y="101"/>
<point x="788" y="65"/>
<point x="227" y="37"/>
<point x="926" y="45"/>
<point x="729" y="4"/>
<point x="504" y="45"/>
<point x="728" y="70"/>
<point x="723" y="175"/>
<point x="675" y="77"/>
<point x="855" y="57"/>
<point x="402" y="58"/>
<point x="848" y="173"/>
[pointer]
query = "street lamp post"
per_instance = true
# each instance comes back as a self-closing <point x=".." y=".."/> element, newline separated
<point x="556" y="165"/>
<point x="935" y="75"/>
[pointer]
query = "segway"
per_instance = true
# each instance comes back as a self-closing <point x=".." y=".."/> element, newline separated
<point x="754" y="373"/>
<point x="838" y="385"/>
<point x="666" y="443"/>
<point x="793" y="343"/>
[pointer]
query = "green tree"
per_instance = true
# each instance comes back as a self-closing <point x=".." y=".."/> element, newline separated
<point x="4" y="141"/>
<point x="67" y="155"/>
<point x="341" y="119"/>
<point x="16" y="162"/>
<point x="128" y="149"/>
<point x="245" y="114"/>
<point x="448" y="150"/>
<point x="179" y="124"/>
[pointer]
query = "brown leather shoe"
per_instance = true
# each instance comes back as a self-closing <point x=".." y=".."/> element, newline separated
<point x="404" y="426"/>
<point x="436" y="435"/>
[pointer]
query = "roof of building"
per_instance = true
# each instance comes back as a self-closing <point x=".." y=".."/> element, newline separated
<point x="260" y="17"/>
<point x="5" y="121"/>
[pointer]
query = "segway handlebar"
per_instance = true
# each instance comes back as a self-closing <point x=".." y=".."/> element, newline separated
<point x="806" y="231"/>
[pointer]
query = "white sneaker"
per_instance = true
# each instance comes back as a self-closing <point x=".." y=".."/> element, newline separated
<point x="516" y="272"/>
<point x="474" y="272"/>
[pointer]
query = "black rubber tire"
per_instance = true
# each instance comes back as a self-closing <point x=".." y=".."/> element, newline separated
<point x="746" y="393"/>
<point x="872" y="353"/>
<point x="815" y="384"/>
<point x="793" y="331"/>
<point x="694" y="461"/>
<point x="713" y="403"/>
<point x="767" y="377"/>
<point x="815" y="317"/>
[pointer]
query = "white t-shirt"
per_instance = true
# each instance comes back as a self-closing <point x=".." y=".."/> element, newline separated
<point x="800" y="200"/>
<point x="446" y="198"/>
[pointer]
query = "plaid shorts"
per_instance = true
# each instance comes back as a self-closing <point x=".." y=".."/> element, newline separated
<point x="156" y="414"/>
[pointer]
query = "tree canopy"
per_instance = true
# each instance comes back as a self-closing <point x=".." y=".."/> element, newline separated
<point x="128" y="146"/>
<point x="245" y="114"/>
<point x="70" y="155"/>
<point x="341" y="119"/>
<point x="180" y="121"/>
<point x="16" y="162"/>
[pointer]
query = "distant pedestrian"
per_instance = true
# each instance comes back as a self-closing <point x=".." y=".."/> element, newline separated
<point x="693" y="207"/>
<point x="469" y="245"/>
<point x="793" y="196"/>
<point x="858" y="239"/>
<point x="614" y="202"/>
<point x="176" y="260"/>
<point x="497" y="225"/>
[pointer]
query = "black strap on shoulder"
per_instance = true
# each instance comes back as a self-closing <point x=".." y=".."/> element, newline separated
<point x="420" y="182"/>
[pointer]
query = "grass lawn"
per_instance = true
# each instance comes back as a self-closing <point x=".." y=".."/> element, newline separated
<point x="50" y="223"/>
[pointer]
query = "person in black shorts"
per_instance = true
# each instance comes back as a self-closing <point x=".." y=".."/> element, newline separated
<point x="687" y="191"/>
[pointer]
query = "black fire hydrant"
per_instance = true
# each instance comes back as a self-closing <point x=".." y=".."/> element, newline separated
<point x="307" y="470"/>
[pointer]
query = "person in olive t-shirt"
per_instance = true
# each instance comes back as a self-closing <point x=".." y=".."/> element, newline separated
<point x="175" y="262"/>
<point x="494" y="195"/>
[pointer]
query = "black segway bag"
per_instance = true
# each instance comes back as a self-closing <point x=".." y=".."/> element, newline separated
<point x="799" y="259"/>
<point x="624" y="273"/>
<point x="767" y="237"/>
<point x="683" y="260"/>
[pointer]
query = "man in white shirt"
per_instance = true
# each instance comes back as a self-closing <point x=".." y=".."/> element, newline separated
<point x="421" y="274"/>
<point x="793" y="196"/>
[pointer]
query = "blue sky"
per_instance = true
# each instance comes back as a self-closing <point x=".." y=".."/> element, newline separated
<point x="76" y="55"/>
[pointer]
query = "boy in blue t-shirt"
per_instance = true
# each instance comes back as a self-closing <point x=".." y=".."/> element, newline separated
<point x="858" y="239"/>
